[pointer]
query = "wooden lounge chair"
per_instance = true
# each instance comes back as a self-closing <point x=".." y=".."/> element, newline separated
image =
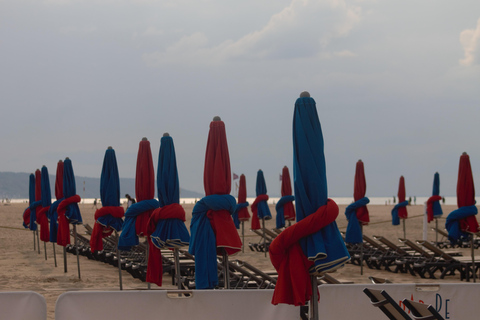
<point x="382" y="300"/>
<point x="384" y="257"/>
<point x="422" y="311"/>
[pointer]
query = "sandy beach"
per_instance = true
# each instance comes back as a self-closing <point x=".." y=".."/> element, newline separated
<point x="23" y="269"/>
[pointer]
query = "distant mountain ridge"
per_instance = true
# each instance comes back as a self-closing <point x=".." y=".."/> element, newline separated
<point x="14" y="185"/>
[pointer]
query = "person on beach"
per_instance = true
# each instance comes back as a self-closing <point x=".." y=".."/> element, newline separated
<point x="95" y="203"/>
<point x="130" y="200"/>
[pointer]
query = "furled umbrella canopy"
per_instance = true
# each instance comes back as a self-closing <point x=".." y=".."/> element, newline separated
<point x="284" y="206"/>
<point x="314" y="244"/>
<point x="166" y="226"/>
<point x="463" y="220"/>
<point x="52" y="213"/>
<point x="400" y="209"/>
<point x="212" y="228"/>
<point x="29" y="215"/>
<point x="138" y="214"/>
<point x="109" y="217"/>
<point x="46" y="198"/>
<point x="434" y="209"/>
<point x="357" y="212"/>
<point x="68" y="210"/>
<point x="260" y="207"/>
<point x="241" y="211"/>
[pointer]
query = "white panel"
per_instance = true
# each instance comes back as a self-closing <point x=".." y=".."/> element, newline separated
<point x="22" y="305"/>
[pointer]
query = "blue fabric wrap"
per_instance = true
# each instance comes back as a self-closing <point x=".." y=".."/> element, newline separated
<point x="203" y="242"/>
<point x="53" y="217"/>
<point x="33" y="214"/>
<point x="128" y="238"/>
<point x="69" y="190"/>
<point x="46" y="191"/>
<point x="280" y="219"/>
<point x="395" y="218"/>
<point x="235" y="218"/>
<point x="326" y="247"/>
<point x="31" y="200"/>
<point x="437" y="208"/>
<point x="453" y="223"/>
<point x="110" y="181"/>
<point x="168" y="232"/>
<point x="354" y="230"/>
<point x="263" y="211"/>
<point x="110" y="190"/>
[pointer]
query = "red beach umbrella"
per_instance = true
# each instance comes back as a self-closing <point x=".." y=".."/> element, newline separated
<point x="288" y="209"/>
<point x="144" y="184"/>
<point x="466" y="193"/>
<point x="402" y="211"/>
<point x="243" y="214"/>
<point x="359" y="190"/>
<point x="38" y="185"/>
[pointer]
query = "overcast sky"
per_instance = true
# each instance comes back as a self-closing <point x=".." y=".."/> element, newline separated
<point x="397" y="84"/>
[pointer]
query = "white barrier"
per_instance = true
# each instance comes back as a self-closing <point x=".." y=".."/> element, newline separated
<point x="160" y="304"/>
<point x="452" y="301"/>
<point x="22" y="305"/>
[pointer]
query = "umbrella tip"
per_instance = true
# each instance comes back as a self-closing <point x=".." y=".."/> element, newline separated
<point x="217" y="118"/>
<point x="359" y="160"/>
<point x="109" y="148"/>
<point x="67" y="158"/>
<point x="144" y="139"/>
<point x="166" y="134"/>
<point x="44" y="166"/>
<point x="464" y="153"/>
<point x="60" y="160"/>
<point x="305" y="94"/>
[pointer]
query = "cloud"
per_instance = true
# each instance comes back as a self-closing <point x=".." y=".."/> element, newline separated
<point x="304" y="29"/>
<point x="470" y="40"/>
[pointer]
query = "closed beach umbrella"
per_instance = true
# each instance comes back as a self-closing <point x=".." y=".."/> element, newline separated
<point x="212" y="229"/>
<point x="138" y="214"/>
<point x="434" y="209"/>
<point x="68" y="210"/>
<point x="241" y="211"/>
<point x="260" y="208"/>
<point x="52" y="212"/>
<point x="29" y="215"/>
<point x="109" y="217"/>
<point x="38" y="201"/>
<point x="357" y="212"/>
<point x="463" y="220"/>
<point x="284" y="206"/>
<point x="46" y="198"/>
<point x="400" y="209"/>
<point x="166" y="227"/>
<point x="313" y="245"/>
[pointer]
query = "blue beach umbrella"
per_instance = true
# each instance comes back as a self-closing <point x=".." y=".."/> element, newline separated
<point x="32" y="204"/>
<point x="46" y="191"/>
<point x="325" y="247"/>
<point x="70" y="190"/>
<point x="263" y="211"/>
<point x="46" y="201"/>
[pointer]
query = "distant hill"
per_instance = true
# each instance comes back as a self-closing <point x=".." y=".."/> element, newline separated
<point x="14" y="185"/>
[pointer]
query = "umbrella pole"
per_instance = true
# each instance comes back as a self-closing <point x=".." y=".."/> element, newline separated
<point x="178" y="276"/>
<point x="243" y="236"/>
<point x="76" y="249"/>
<point x="54" y="255"/>
<point x="314" y="299"/>
<point x="404" y="230"/>
<point x="361" y="252"/>
<point x="473" y="258"/>
<point x="148" y="245"/>
<point x="45" y="248"/>
<point x="119" y="260"/>
<point x="436" y="231"/>
<point x="65" y="259"/>
<point x="264" y="239"/>
<point x="34" y="242"/>
<point x="38" y="242"/>
<point x="226" y="272"/>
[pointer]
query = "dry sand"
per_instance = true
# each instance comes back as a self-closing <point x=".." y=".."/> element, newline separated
<point x="24" y="269"/>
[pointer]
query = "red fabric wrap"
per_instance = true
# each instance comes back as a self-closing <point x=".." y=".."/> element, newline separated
<point x="144" y="184"/>
<point x="42" y="220"/>
<point x="293" y="283"/>
<point x="359" y="190"/>
<point x="255" y="220"/>
<point x="63" y="235"/>
<point x="430" y="202"/>
<point x="155" y="267"/>
<point x="100" y="231"/>
<point x="26" y="216"/>
<point x="466" y="192"/>
<point x="402" y="211"/>
<point x="243" y="214"/>
<point x="226" y="235"/>
<point x="38" y="185"/>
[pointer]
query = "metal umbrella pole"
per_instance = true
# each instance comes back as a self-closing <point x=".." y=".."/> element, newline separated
<point x="361" y="252"/>
<point x="38" y="241"/>
<point x="404" y="230"/>
<point x="314" y="299"/>
<point x="54" y="255"/>
<point x="148" y="245"/>
<point x="119" y="259"/>
<point x="178" y="276"/>
<point x="34" y="242"/>
<point x="226" y="270"/>
<point x="45" y="248"/>
<point x="76" y="249"/>
<point x="436" y="231"/>
<point x="65" y="259"/>
<point x="243" y="236"/>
